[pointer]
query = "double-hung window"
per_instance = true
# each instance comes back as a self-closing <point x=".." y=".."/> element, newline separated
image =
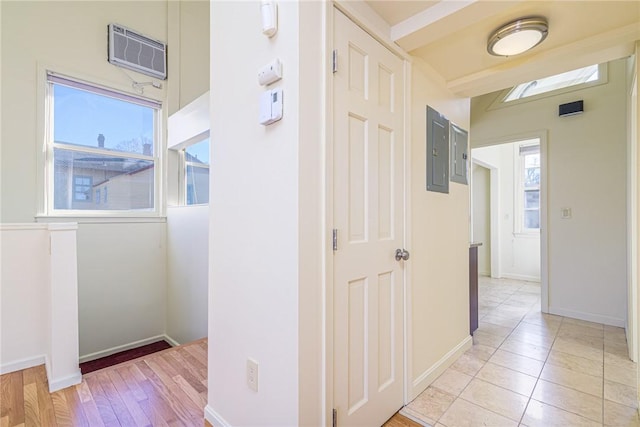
<point x="529" y="188"/>
<point x="102" y="150"/>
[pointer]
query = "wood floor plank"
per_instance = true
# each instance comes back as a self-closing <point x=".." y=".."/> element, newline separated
<point x="133" y="379"/>
<point x="128" y="398"/>
<point x="61" y="410"/>
<point x="16" y="399"/>
<point x="198" y="353"/>
<point x="156" y="407"/>
<point x="165" y="389"/>
<point x="45" y="402"/>
<point x="31" y="408"/>
<point x="76" y="408"/>
<point x="117" y="405"/>
<point x="185" y="370"/>
<point x="30" y="375"/>
<point x="107" y="415"/>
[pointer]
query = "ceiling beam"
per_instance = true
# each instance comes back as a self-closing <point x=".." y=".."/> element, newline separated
<point x="444" y="18"/>
<point x="604" y="47"/>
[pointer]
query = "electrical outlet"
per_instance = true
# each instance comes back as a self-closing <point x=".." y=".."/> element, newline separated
<point x="252" y="374"/>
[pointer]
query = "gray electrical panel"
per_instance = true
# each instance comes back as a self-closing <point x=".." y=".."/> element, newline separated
<point x="437" y="152"/>
<point x="459" y="148"/>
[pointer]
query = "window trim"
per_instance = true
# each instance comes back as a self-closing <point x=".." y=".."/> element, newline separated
<point x="518" y="199"/>
<point x="45" y="92"/>
<point x="184" y="164"/>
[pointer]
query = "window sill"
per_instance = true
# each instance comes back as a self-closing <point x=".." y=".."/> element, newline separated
<point x="100" y="219"/>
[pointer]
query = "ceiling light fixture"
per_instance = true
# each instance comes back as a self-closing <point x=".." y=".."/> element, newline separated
<point x="518" y="36"/>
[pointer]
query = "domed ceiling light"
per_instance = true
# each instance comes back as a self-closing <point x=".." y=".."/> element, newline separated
<point x="518" y="36"/>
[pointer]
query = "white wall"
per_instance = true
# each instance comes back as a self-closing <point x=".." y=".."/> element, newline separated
<point x="587" y="173"/>
<point x="439" y="319"/>
<point x="23" y="306"/>
<point x="39" y="304"/>
<point x="121" y="265"/>
<point x="481" y="216"/>
<point x="257" y="230"/>
<point x="519" y="254"/>
<point x="187" y="272"/>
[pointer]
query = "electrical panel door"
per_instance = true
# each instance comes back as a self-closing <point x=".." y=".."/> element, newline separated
<point x="459" y="147"/>
<point x="437" y="152"/>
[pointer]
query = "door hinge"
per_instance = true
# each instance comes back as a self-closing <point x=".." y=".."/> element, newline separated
<point x="335" y="239"/>
<point x="335" y="418"/>
<point x="335" y="60"/>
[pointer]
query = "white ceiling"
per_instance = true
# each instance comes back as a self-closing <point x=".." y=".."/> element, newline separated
<point x="451" y="35"/>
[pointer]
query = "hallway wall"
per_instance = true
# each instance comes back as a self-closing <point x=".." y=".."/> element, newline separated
<point x="587" y="173"/>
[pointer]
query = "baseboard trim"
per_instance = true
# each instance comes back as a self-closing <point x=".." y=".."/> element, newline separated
<point x="21" y="364"/>
<point x="124" y="347"/>
<point x="428" y="376"/>
<point x="214" y="418"/>
<point x="171" y="341"/>
<point x="68" y="381"/>
<point x="589" y="317"/>
<point x="521" y="277"/>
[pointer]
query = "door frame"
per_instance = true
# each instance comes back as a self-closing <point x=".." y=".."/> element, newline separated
<point x="494" y="207"/>
<point x="542" y="136"/>
<point x="366" y="19"/>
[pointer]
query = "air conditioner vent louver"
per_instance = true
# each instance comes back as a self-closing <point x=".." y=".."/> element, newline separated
<point x="137" y="52"/>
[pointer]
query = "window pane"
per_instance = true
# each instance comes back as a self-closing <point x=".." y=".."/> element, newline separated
<point x="198" y="153"/>
<point x="532" y="199"/>
<point x="531" y="177"/>
<point x="532" y="219"/>
<point x="559" y="81"/>
<point x="91" y="120"/>
<point x="197" y="185"/>
<point x="81" y="179"/>
<point x="532" y="160"/>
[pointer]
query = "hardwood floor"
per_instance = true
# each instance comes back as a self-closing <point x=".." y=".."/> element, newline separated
<point x="401" y="421"/>
<point x="163" y="389"/>
<point x="123" y="356"/>
<point x="167" y="388"/>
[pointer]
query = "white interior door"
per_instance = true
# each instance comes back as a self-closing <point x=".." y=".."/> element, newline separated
<point x="369" y="219"/>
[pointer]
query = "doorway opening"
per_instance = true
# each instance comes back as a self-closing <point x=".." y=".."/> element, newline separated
<point x="507" y="216"/>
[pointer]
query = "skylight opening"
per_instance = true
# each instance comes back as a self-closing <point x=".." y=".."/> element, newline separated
<point x="559" y="81"/>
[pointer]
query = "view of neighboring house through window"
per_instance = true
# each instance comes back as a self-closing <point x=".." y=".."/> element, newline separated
<point x="101" y="148"/>
<point x="82" y="186"/>
<point x="530" y="187"/>
<point x="196" y="167"/>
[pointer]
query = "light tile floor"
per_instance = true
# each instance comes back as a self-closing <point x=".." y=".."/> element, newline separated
<point x="532" y="369"/>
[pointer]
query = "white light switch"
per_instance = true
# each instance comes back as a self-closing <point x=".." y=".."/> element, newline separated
<point x="566" y="213"/>
<point x="270" y="73"/>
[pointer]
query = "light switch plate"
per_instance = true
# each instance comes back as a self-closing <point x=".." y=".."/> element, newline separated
<point x="252" y="374"/>
<point x="566" y="213"/>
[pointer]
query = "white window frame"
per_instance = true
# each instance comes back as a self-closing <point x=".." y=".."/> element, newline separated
<point x="182" y="174"/>
<point x="499" y="102"/>
<point x="519" y="197"/>
<point x="52" y="77"/>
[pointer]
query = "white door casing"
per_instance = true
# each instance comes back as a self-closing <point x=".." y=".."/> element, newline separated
<point x="368" y="213"/>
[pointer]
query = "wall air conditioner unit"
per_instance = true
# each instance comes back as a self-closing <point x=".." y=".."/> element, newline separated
<point x="132" y="50"/>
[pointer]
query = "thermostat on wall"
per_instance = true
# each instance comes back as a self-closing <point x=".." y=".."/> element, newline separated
<point x="270" y="106"/>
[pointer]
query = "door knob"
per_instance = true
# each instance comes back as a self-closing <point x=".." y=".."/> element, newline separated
<point x="402" y="254"/>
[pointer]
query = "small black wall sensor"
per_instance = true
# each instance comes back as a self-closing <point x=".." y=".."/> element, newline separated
<point x="571" y="108"/>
